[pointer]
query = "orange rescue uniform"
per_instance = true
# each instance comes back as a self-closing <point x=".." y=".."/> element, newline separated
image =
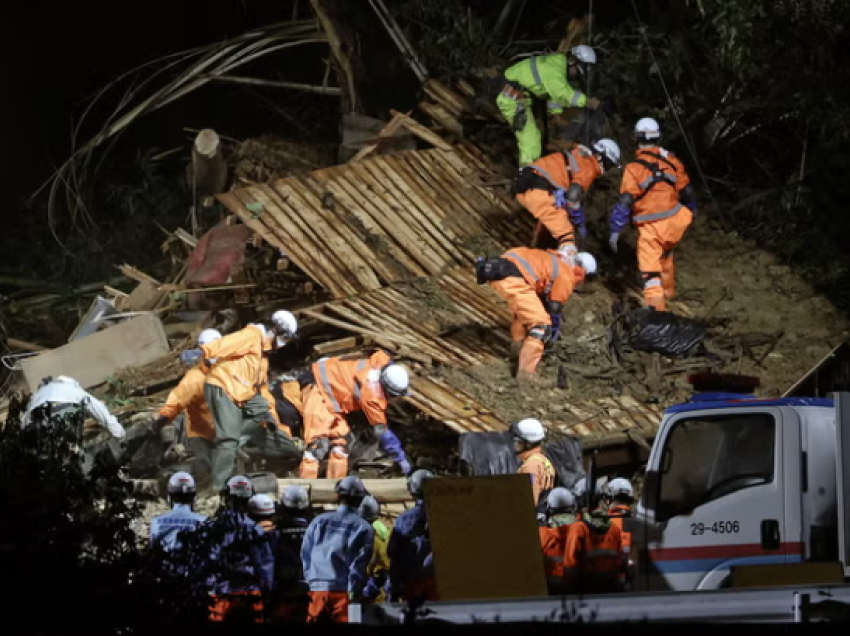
<point x="553" y="542"/>
<point x="341" y="387"/>
<point x="543" y="274"/>
<point x="593" y="561"/>
<point x="239" y="369"/>
<point x="331" y="606"/>
<point x="561" y="170"/>
<point x="536" y="464"/>
<point x="660" y="219"/>
<point x="189" y="396"/>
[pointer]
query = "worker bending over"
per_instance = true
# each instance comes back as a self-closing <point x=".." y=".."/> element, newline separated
<point x="165" y="528"/>
<point x="336" y="552"/>
<point x="243" y="556"/>
<point x="379" y="566"/>
<point x="543" y="77"/>
<point x="655" y="186"/>
<point x="528" y="436"/>
<point x="233" y="386"/>
<point x="536" y="284"/>
<point x="553" y="187"/>
<point x="63" y="395"/>
<point x="337" y="387"/>
<point x="409" y="548"/>
<point x="561" y="514"/>
<point x="188" y="397"/>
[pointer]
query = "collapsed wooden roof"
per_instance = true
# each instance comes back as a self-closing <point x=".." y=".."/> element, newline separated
<point x="372" y="231"/>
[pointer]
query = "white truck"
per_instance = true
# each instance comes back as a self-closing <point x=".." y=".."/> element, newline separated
<point x="731" y="481"/>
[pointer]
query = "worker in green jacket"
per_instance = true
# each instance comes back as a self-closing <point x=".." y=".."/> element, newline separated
<point x="544" y="77"/>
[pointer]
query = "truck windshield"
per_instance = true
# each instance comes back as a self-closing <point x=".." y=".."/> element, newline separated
<point x="710" y="457"/>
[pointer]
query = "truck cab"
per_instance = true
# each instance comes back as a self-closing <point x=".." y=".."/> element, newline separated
<point x="734" y="480"/>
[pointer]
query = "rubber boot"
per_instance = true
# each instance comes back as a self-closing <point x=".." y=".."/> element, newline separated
<point x="655" y="299"/>
<point x="309" y="468"/>
<point x="337" y="463"/>
<point x="529" y="357"/>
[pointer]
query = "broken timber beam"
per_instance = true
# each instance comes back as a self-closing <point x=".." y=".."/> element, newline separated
<point x="421" y="131"/>
<point x="324" y="490"/>
<point x="387" y="131"/>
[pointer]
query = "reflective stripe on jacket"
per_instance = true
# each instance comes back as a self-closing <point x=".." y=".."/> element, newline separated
<point x="542" y="472"/>
<point x="662" y="200"/>
<point x="562" y="169"/>
<point x="544" y="271"/>
<point x="545" y="77"/>
<point x="354" y="385"/>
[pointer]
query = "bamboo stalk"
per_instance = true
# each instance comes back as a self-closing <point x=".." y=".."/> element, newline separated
<point x="254" y="81"/>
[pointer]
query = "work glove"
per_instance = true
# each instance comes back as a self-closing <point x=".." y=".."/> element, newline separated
<point x="692" y="206"/>
<point x="560" y="198"/>
<point x="191" y="356"/>
<point x="405" y="466"/>
<point x="391" y="445"/>
<point x="612" y="241"/>
<point x="371" y="591"/>
<point x="582" y="232"/>
<point x="556" y="327"/>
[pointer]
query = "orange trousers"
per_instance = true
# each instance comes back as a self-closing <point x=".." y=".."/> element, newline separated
<point x="541" y="204"/>
<point x="237" y="606"/>
<point x="526" y="312"/>
<point x="656" y="241"/>
<point x="320" y="421"/>
<point x="332" y="604"/>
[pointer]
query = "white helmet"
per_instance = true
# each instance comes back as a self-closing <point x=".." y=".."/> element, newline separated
<point x="261" y="505"/>
<point x="587" y="262"/>
<point x="609" y="149"/>
<point x="369" y="508"/>
<point x="240" y="486"/>
<point x="181" y="483"/>
<point x="207" y="336"/>
<point x="286" y="326"/>
<point x="619" y="486"/>
<point x="647" y="129"/>
<point x="529" y="430"/>
<point x="66" y="380"/>
<point x="560" y="498"/>
<point x="395" y="380"/>
<point x="295" y="497"/>
<point x="584" y="54"/>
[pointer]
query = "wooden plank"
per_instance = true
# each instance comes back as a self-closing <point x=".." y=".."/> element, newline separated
<point x="90" y="360"/>
<point x="420" y="131"/>
<point x="433" y="91"/>
<point x="342" y="344"/>
<point x="23" y="345"/>
<point x="442" y="117"/>
<point x="382" y="224"/>
<point x="136" y="274"/>
<point x="145" y="296"/>
<point x="323" y="491"/>
<point x="356" y="269"/>
<point x="406" y="237"/>
<point x="388" y="131"/>
<point x="349" y="327"/>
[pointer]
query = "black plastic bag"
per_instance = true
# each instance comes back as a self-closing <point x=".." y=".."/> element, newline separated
<point x="661" y="332"/>
<point x="565" y="453"/>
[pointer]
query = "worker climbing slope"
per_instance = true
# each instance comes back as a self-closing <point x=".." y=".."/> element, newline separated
<point x="333" y="389"/>
<point x="522" y="276"/>
<point x="545" y="77"/>
<point x="553" y="187"/>
<point x="188" y="396"/>
<point x="233" y="386"/>
<point x="656" y="193"/>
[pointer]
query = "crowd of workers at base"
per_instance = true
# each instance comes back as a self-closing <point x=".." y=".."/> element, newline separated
<point x="298" y="566"/>
<point x="656" y="195"/>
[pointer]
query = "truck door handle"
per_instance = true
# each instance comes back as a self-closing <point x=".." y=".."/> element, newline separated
<point x="770" y="539"/>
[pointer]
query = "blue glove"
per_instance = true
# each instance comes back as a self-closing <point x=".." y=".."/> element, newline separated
<point x="619" y="219"/>
<point x="191" y="356"/>
<point x="692" y="206"/>
<point x="391" y="445"/>
<point x="612" y="240"/>
<point x="578" y="221"/>
<point x="371" y="590"/>
<point x="560" y="197"/>
<point x="556" y="326"/>
<point x="405" y="466"/>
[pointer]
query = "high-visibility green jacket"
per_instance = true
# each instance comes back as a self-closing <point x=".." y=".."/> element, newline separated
<point x="545" y="77"/>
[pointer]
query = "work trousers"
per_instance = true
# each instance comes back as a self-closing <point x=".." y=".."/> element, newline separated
<point x="202" y="449"/>
<point x="321" y="421"/>
<point x="237" y="606"/>
<point x="656" y="241"/>
<point x="528" y="138"/>
<point x="542" y="206"/>
<point x="230" y="420"/>
<point x="328" y="605"/>
<point x="526" y="312"/>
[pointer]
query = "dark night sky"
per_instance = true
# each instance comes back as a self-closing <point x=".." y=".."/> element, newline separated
<point x="54" y="55"/>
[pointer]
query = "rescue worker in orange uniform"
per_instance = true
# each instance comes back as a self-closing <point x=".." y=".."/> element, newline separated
<point x="235" y="385"/>
<point x="522" y="276"/>
<point x="619" y="497"/>
<point x="656" y="193"/>
<point x="561" y="509"/>
<point x="337" y="387"/>
<point x="593" y="560"/>
<point x="552" y="188"/>
<point x="188" y="396"/>
<point x="528" y="436"/>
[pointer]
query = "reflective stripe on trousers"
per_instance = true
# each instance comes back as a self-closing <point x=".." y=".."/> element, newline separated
<point x="657" y="216"/>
